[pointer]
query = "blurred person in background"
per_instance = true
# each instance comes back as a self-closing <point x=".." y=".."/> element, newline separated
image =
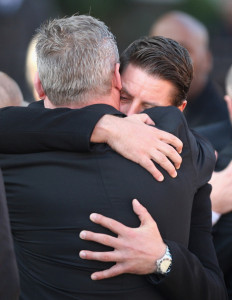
<point x="222" y="231"/>
<point x="205" y="104"/>
<point x="10" y="93"/>
<point x="18" y="21"/>
<point x="221" y="41"/>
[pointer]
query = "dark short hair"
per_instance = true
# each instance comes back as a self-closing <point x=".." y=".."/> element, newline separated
<point x="162" y="58"/>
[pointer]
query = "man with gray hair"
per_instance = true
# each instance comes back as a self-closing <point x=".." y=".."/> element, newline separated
<point x="52" y="193"/>
<point x="93" y="51"/>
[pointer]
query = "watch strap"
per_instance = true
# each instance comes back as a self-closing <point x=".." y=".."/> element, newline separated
<point x="164" y="263"/>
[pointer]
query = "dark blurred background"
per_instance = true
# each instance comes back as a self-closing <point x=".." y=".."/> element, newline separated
<point x="127" y="19"/>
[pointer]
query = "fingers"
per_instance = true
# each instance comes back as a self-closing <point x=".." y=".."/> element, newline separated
<point x="109" y="223"/>
<point x="143" y="118"/>
<point x="103" y="239"/>
<point x="149" y="165"/>
<point x="168" y="151"/>
<point x="112" y="272"/>
<point x="111" y="256"/>
<point x="141" y="212"/>
<point x="165" y="163"/>
<point x="164" y="136"/>
<point x="172" y="140"/>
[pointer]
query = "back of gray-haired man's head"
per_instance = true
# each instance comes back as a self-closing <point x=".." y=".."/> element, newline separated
<point x="76" y="58"/>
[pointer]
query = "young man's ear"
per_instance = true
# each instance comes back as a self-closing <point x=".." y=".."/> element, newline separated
<point x="117" y="78"/>
<point x="183" y="105"/>
<point x="38" y="86"/>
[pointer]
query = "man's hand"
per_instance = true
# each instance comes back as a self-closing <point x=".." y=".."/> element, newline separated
<point x="221" y="195"/>
<point x="135" y="249"/>
<point x="134" y="139"/>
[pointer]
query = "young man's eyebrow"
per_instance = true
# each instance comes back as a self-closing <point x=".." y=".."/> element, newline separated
<point x="124" y="90"/>
<point x="152" y="102"/>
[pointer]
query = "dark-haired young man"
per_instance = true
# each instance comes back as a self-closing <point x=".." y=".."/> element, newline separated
<point x="155" y="71"/>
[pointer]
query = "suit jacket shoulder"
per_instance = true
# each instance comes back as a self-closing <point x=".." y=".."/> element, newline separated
<point x="35" y="128"/>
<point x="172" y="120"/>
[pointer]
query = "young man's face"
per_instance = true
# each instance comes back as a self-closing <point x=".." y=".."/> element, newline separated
<point x="141" y="91"/>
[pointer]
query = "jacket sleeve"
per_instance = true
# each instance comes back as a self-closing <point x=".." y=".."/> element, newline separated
<point x="172" y="120"/>
<point x="195" y="273"/>
<point x="35" y="128"/>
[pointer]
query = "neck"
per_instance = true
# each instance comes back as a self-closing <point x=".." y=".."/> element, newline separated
<point x="112" y="99"/>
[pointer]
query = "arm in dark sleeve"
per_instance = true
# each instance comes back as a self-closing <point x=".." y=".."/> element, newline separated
<point x="172" y="120"/>
<point x="195" y="273"/>
<point x="9" y="278"/>
<point x="222" y="230"/>
<point x="224" y="157"/>
<point x="35" y="128"/>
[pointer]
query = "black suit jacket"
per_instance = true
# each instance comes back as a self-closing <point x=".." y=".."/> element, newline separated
<point x="208" y="115"/>
<point x="207" y="108"/>
<point x="219" y="134"/>
<point x="105" y="182"/>
<point x="9" y="279"/>
<point x="222" y="231"/>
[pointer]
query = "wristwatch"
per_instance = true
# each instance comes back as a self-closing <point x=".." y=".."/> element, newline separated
<point x="164" y="263"/>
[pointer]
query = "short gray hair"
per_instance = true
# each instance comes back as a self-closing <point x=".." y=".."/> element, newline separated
<point x="76" y="58"/>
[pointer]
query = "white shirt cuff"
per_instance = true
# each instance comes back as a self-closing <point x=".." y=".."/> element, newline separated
<point x="215" y="217"/>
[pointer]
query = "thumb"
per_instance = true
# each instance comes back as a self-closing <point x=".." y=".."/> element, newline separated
<point x="141" y="212"/>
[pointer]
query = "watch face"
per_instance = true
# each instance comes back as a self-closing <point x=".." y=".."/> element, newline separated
<point x="164" y="265"/>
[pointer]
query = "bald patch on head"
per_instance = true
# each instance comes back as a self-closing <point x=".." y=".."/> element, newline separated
<point x="175" y="22"/>
<point x="10" y="93"/>
<point x="193" y="35"/>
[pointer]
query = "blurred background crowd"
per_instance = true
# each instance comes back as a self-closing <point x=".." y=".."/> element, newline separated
<point x="127" y="19"/>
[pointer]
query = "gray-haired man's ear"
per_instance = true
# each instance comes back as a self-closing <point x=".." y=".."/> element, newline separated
<point x="117" y="78"/>
<point x="38" y="86"/>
